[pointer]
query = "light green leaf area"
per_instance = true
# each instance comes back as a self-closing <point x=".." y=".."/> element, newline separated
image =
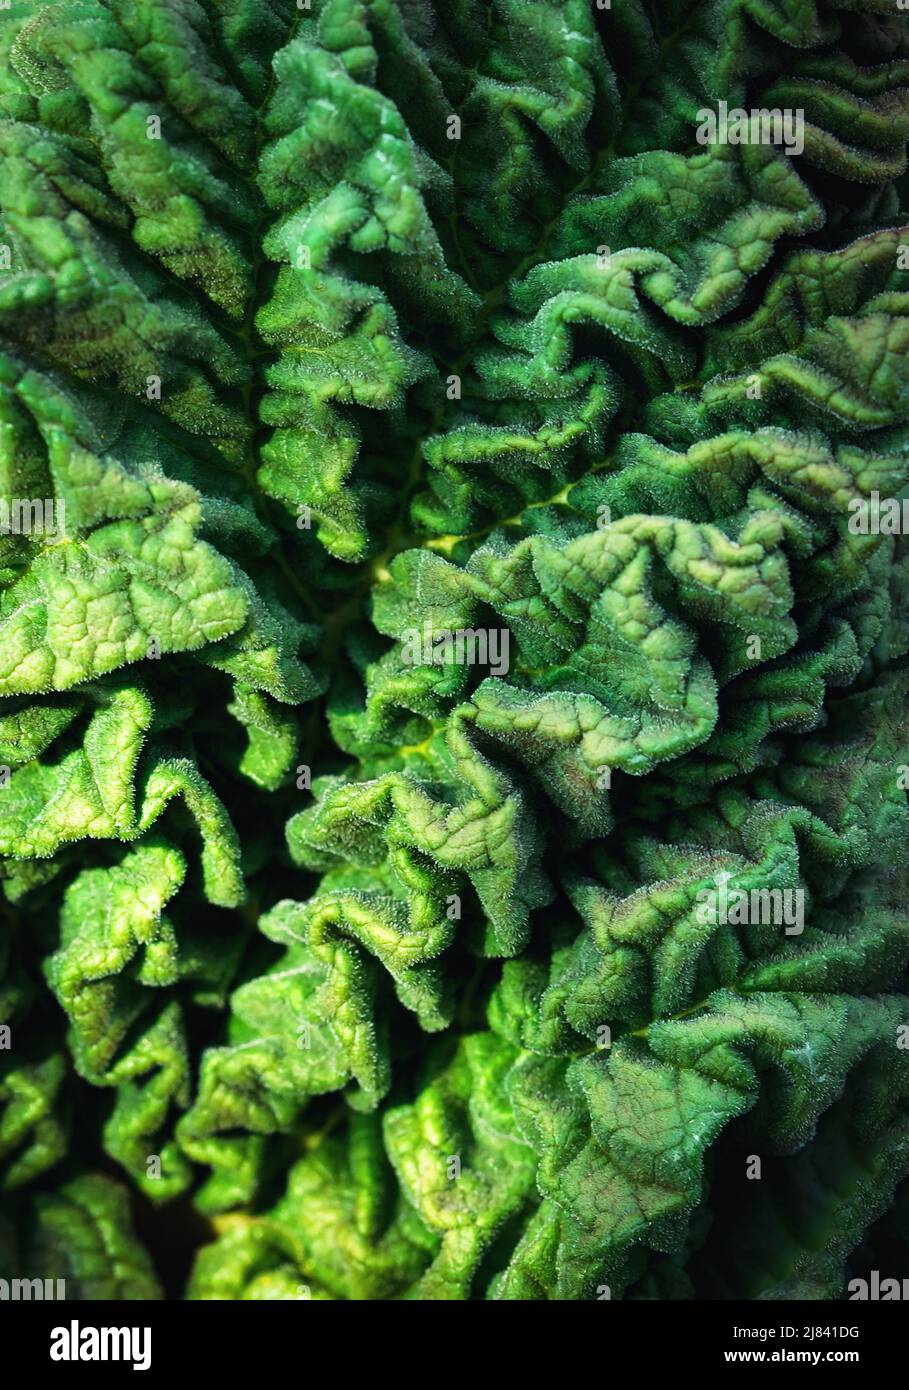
<point x="453" y="641"/>
<point x="33" y="1134"/>
<point x="109" y="789"/>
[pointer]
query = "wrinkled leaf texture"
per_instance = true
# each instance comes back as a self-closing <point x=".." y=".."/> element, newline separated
<point x="319" y="325"/>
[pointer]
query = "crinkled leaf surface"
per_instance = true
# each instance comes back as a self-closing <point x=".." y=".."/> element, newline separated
<point x="428" y="577"/>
